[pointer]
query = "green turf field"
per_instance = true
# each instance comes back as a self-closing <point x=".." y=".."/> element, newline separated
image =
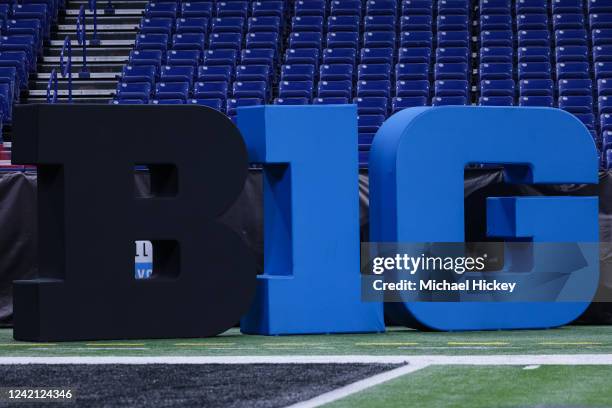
<point x="396" y="341"/>
<point x="487" y="386"/>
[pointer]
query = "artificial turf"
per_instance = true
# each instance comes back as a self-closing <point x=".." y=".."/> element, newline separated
<point x="396" y="341"/>
<point x="490" y="386"/>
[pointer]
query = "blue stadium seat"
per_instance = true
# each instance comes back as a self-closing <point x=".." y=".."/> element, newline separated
<point x="604" y="87"/>
<point x="183" y="57"/>
<point x="139" y="90"/>
<point x="569" y="87"/>
<point x="572" y="53"/>
<point x="310" y="8"/>
<point x="167" y="101"/>
<point x="342" y="39"/>
<point x="412" y="71"/>
<point x="602" y="53"/>
<point x="258" y="56"/>
<point x="567" y="6"/>
<point x="172" y="90"/>
<point x="330" y="101"/>
<point x="246" y="73"/>
<point x="302" y="56"/>
<point x="138" y="73"/>
<point x="534" y="54"/>
<point x="452" y="55"/>
<point x="250" y="89"/>
<point x="146" y="57"/>
<point x="215" y="73"/>
<point x="609" y="159"/>
<point x="451" y="71"/>
<point x="161" y="9"/>
<point x="602" y="36"/>
<point x="416" y="22"/>
<point x="497" y="38"/>
<point x="127" y="102"/>
<point x="189" y="41"/>
<point x="570" y="70"/>
<point x="603" y="70"/>
<point x="568" y="21"/>
<point x="453" y="7"/>
<point x="497" y="87"/>
<point x="453" y="22"/>
<point x="373" y="71"/>
<point x="417" y="7"/>
<point x="534" y="70"/>
<point x="369" y="123"/>
<point x="334" y="89"/>
<point x="607" y="140"/>
<point x="345" y="8"/>
<point x="536" y="87"/>
<point x="451" y="87"/>
<point x="339" y="56"/>
<point x="410" y="55"/>
<point x="531" y="6"/>
<point x="210" y="90"/>
<point x="495" y="71"/>
<point x="234" y="103"/>
<point x="267" y="9"/>
<point x="152" y="42"/>
<point x="576" y="104"/>
<point x="302" y="24"/>
<point x="265" y="24"/>
<point x="161" y="25"/>
<point x="216" y="104"/>
<point x="399" y="103"/>
<point x="305" y="40"/>
<point x="496" y="54"/>
<point x="295" y="89"/>
<point x="496" y="101"/>
<point x="453" y="39"/>
<point x="605" y="104"/>
<point x="449" y="100"/>
<point x="291" y="101"/>
<point x="225" y="41"/>
<point x="196" y="9"/>
<point x="177" y="74"/>
<point x="378" y="23"/>
<point x="603" y="20"/>
<point x="546" y="101"/>
<point x="495" y="22"/>
<point x="495" y="7"/>
<point x="342" y="23"/>
<point x="262" y="40"/>
<point x="371" y="105"/>
<point x="227" y="25"/>
<point x="378" y="39"/>
<point x="412" y="88"/>
<point x="416" y="39"/>
<point x="336" y="72"/>
<point x="537" y="38"/>
<point x="532" y="22"/>
<point x="588" y="119"/>
<point x="380" y="88"/>
<point x="299" y="72"/>
<point x="232" y="9"/>
<point x="606" y="121"/>
<point x="571" y="37"/>
<point x="381" y="7"/>
<point x="192" y="25"/>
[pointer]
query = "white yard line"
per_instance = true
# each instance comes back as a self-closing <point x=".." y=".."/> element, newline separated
<point x="519" y="359"/>
<point x="358" y="386"/>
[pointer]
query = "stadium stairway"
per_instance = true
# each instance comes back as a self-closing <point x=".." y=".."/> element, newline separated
<point x="117" y="29"/>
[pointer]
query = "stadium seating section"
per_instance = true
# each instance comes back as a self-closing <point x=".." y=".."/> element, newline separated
<point x="382" y="55"/>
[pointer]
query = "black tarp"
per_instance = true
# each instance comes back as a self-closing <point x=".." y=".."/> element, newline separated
<point x="18" y="222"/>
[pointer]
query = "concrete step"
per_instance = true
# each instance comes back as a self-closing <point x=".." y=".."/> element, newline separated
<point x="102" y="27"/>
<point x="105" y="19"/>
<point x="91" y="52"/>
<point x="93" y="75"/>
<point x="123" y="39"/>
<point x="92" y="68"/>
<point x="92" y="59"/>
<point x="77" y="84"/>
<point x="75" y="99"/>
<point x="75" y="92"/>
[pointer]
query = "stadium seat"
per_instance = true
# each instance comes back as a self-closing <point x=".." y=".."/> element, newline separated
<point x="215" y="73"/>
<point x="172" y="90"/>
<point x="222" y="57"/>
<point x="299" y="72"/>
<point x="210" y="90"/>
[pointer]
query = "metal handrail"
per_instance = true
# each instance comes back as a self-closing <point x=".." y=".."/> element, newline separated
<point x="81" y="33"/>
<point x="52" y="85"/>
<point x="93" y="7"/>
<point x="66" y="64"/>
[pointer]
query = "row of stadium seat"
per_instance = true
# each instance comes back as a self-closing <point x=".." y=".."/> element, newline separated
<point x="385" y="55"/>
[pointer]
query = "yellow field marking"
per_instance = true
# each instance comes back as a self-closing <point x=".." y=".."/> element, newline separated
<point x="477" y="343"/>
<point x="576" y="343"/>
<point x="387" y="344"/>
<point x="113" y="344"/>
<point x="27" y="344"/>
<point x="204" y="344"/>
